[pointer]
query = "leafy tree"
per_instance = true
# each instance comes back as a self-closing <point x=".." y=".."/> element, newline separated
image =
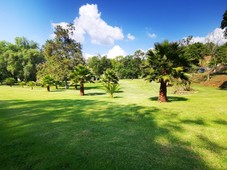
<point x="62" y="54"/>
<point x="4" y="73"/>
<point x="31" y="84"/>
<point x="9" y="81"/>
<point x="82" y="74"/>
<point x="47" y="81"/>
<point x="19" y="60"/>
<point x="224" y="22"/>
<point x="221" y="54"/>
<point x="194" y="53"/>
<point x="99" y="64"/>
<point x="129" y="66"/>
<point x="165" y="63"/>
<point x="22" y="83"/>
<point x="110" y="82"/>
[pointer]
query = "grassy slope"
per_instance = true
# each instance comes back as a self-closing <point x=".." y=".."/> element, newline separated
<point x="62" y="130"/>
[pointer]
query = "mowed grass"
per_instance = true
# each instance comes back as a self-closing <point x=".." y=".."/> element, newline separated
<point x="62" y="130"/>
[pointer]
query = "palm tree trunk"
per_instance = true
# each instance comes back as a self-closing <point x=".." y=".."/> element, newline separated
<point x="48" y="88"/>
<point x="163" y="92"/>
<point x="81" y="89"/>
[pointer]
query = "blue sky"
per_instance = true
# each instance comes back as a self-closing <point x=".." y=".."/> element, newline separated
<point x="111" y="26"/>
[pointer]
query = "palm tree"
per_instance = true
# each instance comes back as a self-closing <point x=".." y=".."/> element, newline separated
<point x="47" y="81"/>
<point x="82" y="74"/>
<point x="110" y="82"/>
<point x="164" y="64"/>
<point x="224" y="22"/>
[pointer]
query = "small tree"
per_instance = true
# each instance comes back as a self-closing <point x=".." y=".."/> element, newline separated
<point x="47" y="81"/>
<point x="82" y="74"/>
<point x="9" y="81"/>
<point x="110" y="82"/>
<point x="22" y="83"/>
<point x="31" y="84"/>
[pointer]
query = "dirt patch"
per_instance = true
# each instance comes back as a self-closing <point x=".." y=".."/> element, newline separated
<point x="219" y="81"/>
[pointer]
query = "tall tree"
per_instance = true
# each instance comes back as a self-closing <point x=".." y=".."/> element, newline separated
<point x="164" y="63"/>
<point x="194" y="52"/>
<point x="224" y="22"/>
<point x="19" y="60"/>
<point x="62" y="54"/>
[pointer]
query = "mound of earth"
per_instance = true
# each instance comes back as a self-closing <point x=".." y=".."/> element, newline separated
<point x="219" y="81"/>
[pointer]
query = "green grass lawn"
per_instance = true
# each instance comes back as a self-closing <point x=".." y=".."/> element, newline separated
<point x="62" y="130"/>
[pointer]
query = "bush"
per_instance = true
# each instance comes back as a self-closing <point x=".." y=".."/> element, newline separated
<point x="22" y="83"/>
<point x="31" y="84"/>
<point x="9" y="81"/>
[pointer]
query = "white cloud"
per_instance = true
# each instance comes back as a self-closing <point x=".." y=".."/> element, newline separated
<point x="153" y="35"/>
<point x="217" y="37"/>
<point x="86" y="55"/>
<point x="116" y="51"/>
<point x="130" y="37"/>
<point x="90" y="22"/>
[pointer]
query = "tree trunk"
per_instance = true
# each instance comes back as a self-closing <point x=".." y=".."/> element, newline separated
<point x="81" y="89"/>
<point x="48" y="88"/>
<point x="76" y="87"/>
<point x="163" y="92"/>
<point x="56" y="86"/>
<point x="66" y="84"/>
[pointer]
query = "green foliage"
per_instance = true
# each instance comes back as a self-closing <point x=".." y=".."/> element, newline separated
<point x="221" y="54"/>
<point x="99" y="65"/>
<point x="47" y="81"/>
<point x="32" y="84"/>
<point x="111" y="88"/>
<point x="22" y="83"/>
<point x="110" y="82"/>
<point x="9" y="81"/>
<point x="82" y="74"/>
<point x="62" y="54"/>
<point x="19" y="60"/>
<point x="224" y="22"/>
<point x="194" y="53"/>
<point x="164" y="64"/>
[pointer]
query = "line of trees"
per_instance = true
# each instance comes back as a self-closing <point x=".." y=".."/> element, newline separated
<point x="60" y="61"/>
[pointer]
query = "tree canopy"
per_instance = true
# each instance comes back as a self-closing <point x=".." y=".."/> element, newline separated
<point x="62" y="54"/>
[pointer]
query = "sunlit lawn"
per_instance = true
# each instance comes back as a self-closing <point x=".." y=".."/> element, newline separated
<point x="62" y="130"/>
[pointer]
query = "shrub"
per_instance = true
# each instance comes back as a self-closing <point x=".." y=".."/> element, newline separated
<point x="9" y="81"/>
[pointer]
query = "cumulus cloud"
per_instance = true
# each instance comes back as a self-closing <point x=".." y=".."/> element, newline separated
<point x="90" y="22"/>
<point x="130" y="37"/>
<point x="116" y="51"/>
<point x="153" y="35"/>
<point x="217" y="37"/>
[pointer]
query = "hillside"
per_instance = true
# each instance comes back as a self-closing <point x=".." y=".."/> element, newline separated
<point x="219" y="81"/>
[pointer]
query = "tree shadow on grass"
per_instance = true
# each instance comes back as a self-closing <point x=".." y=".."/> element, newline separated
<point x="171" y="99"/>
<point x="94" y="94"/>
<point x="87" y="87"/>
<point x="194" y="122"/>
<point x="220" y="122"/>
<point x="212" y="146"/>
<point x="89" y="134"/>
